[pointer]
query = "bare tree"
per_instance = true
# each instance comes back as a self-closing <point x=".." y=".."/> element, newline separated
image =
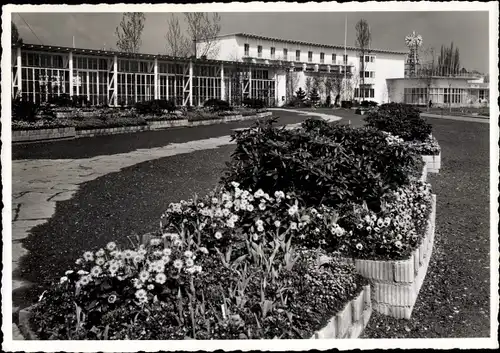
<point x="15" y="38"/>
<point x="427" y="71"/>
<point x="177" y="44"/>
<point x="309" y="84"/>
<point x="129" y="32"/>
<point x="203" y="29"/>
<point x="292" y="81"/>
<point x="363" y="41"/>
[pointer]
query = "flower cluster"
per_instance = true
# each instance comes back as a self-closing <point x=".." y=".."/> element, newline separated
<point x="226" y="214"/>
<point x="427" y="147"/>
<point x="397" y="228"/>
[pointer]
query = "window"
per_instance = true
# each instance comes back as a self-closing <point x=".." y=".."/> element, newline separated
<point x="322" y="58"/>
<point x="372" y="74"/>
<point x="346" y="57"/>
<point x="372" y="59"/>
<point x="273" y="52"/>
<point x="481" y="94"/>
<point x="367" y="59"/>
<point x="247" y="49"/>
<point x="297" y="55"/>
<point x="310" y="56"/>
<point x="285" y="53"/>
<point x="334" y="58"/>
<point x="367" y="74"/>
<point x="259" y="51"/>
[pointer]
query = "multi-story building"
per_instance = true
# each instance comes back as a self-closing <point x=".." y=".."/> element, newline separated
<point x="305" y="61"/>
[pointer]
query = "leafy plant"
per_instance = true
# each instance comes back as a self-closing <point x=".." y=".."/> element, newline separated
<point x="23" y="110"/>
<point x="217" y="105"/>
<point x="254" y="103"/>
<point x="155" y="107"/>
<point x="401" y="120"/>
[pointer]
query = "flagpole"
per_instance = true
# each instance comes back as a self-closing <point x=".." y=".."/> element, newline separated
<point x="345" y="53"/>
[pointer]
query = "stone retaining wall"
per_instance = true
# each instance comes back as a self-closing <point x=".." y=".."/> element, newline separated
<point x="43" y="134"/>
<point x="111" y="131"/>
<point x="396" y="284"/>
<point x="165" y="124"/>
<point x="433" y="163"/>
<point x="350" y="321"/>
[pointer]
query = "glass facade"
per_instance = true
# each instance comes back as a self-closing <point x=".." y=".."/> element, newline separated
<point x="44" y="75"/>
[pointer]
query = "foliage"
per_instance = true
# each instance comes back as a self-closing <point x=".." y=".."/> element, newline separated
<point x="109" y="120"/>
<point x="401" y="120"/>
<point x="129" y="32"/>
<point x="15" y="38"/>
<point x="155" y="107"/>
<point x="314" y="96"/>
<point x="346" y="104"/>
<point x="24" y="110"/>
<point x="254" y="103"/>
<point x="177" y="44"/>
<point x="368" y="104"/>
<point x="429" y="146"/>
<point x="363" y="41"/>
<point x="217" y="105"/>
<point x="321" y="163"/>
<point x="40" y="124"/>
<point x="300" y="94"/>
<point x="205" y="29"/>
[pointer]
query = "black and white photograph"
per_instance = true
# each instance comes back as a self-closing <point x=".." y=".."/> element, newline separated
<point x="250" y="176"/>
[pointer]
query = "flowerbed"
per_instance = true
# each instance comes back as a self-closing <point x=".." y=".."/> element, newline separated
<point x="39" y="124"/>
<point x="208" y="274"/>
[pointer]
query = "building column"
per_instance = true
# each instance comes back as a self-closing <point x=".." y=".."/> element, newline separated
<point x="19" y="72"/>
<point x="115" y="82"/>
<point x="222" y="82"/>
<point x="250" y="83"/>
<point x="70" y="68"/>
<point x="191" y="83"/>
<point x="276" y="87"/>
<point x="157" y="91"/>
<point x="328" y="68"/>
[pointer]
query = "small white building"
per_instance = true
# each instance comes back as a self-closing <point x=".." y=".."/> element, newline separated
<point x="455" y="91"/>
<point x="303" y="60"/>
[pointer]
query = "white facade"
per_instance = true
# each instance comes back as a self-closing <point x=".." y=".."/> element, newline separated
<point x="311" y="59"/>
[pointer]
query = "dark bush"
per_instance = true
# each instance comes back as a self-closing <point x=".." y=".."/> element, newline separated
<point x="80" y="101"/>
<point x="321" y="163"/>
<point x="346" y="104"/>
<point x="155" y="107"/>
<point x="254" y="103"/>
<point x="64" y="100"/>
<point x="400" y="119"/>
<point x="24" y="110"/>
<point x="217" y="105"/>
<point x="368" y="104"/>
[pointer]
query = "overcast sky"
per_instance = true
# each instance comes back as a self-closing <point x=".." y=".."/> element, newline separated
<point x="468" y="30"/>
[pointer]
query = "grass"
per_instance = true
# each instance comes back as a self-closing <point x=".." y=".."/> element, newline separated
<point x="480" y="112"/>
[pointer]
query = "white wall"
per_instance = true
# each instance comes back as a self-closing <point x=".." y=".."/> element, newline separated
<point x="386" y="66"/>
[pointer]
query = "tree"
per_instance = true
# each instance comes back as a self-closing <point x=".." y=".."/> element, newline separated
<point x="427" y="71"/>
<point x="448" y="61"/>
<point x="129" y="32"/>
<point x="205" y="29"/>
<point x="177" y="44"/>
<point x="301" y="95"/>
<point x="314" y="96"/>
<point x="363" y="41"/>
<point x="309" y="84"/>
<point x="292" y="80"/>
<point x="15" y="38"/>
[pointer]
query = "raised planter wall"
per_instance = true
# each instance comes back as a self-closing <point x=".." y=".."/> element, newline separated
<point x="165" y="124"/>
<point x="111" y="131"/>
<point x="396" y="284"/>
<point x="43" y="134"/>
<point x="433" y="163"/>
<point x="350" y="321"/>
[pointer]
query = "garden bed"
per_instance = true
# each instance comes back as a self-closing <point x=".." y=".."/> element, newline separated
<point x="432" y="162"/>
<point x="43" y="134"/>
<point x="396" y="284"/>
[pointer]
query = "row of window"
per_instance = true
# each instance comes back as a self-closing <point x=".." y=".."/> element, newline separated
<point x="297" y="54"/>
<point x="364" y="93"/>
<point x="367" y="74"/>
<point x="421" y="95"/>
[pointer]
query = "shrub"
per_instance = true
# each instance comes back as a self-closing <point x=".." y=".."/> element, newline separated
<point x="346" y="104"/>
<point x="254" y="103"/>
<point x="321" y="163"/>
<point x="154" y="107"/>
<point x="217" y="105"/>
<point x="401" y="120"/>
<point x="24" y="110"/>
<point x="369" y="104"/>
<point x="80" y="101"/>
<point x="63" y="100"/>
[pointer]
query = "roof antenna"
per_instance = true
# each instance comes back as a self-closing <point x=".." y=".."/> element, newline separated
<point x="73" y="42"/>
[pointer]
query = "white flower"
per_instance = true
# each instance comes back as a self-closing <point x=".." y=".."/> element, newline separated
<point x="234" y="218"/>
<point x="230" y="224"/>
<point x="113" y="268"/>
<point x="228" y="204"/>
<point x="376" y="229"/>
<point x="165" y="259"/>
<point x="88" y="256"/>
<point x="137" y="259"/>
<point x="188" y="253"/>
<point x="155" y="242"/>
<point x="197" y="268"/>
<point x="260" y="228"/>
<point x="279" y="194"/>
<point x="359" y="246"/>
<point x="82" y="272"/>
<point x="85" y="280"/>
<point x="250" y="208"/>
<point x="100" y="261"/>
<point x="292" y="210"/>
<point x="258" y="193"/>
<point x="215" y="200"/>
<point x="178" y="264"/>
<point x="189" y="262"/>
<point x="144" y="276"/>
<point x="219" y="213"/>
<point x="167" y="251"/>
<point x="79" y="261"/>
<point x="277" y="224"/>
<point x="218" y="235"/>
<point x="150" y="286"/>
<point x="96" y="271"/>
<point x="100" y="253"/>
<point x="68" y="272"/>
<point x="178" y="243"/>
<point x="255" y="237"/>
<point x="259" y="223"/>
<point x="225" y="212"/>
<point x="63" y="279"/>
<point x="128" y="254"/>
<point x="111" y="246"/>
<point x="203" y="250"/>
<point x="112" y="299"/>
<point x="160" y="278"/>
<point x="293" y="226"/>
<point x="398" y="244"/>
<point x="140" y="294"/>
<point x="262" y="206"/>
<point x="235" y="184"/>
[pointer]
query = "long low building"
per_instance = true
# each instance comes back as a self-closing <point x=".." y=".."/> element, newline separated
<point x="121" y="79"/>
